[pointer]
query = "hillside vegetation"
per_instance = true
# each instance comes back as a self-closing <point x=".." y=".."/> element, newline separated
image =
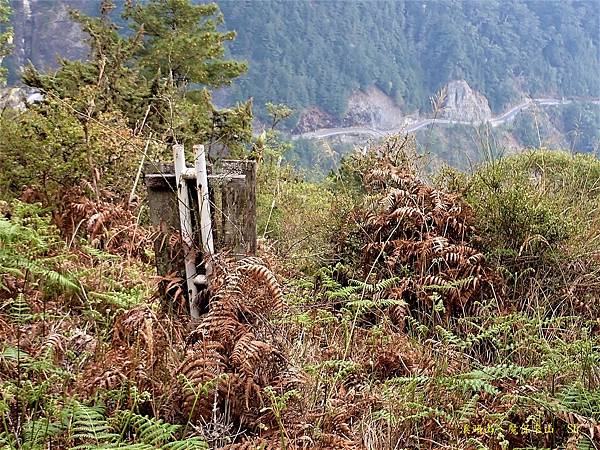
<point x="315" y="53"/>
<point x="462" y="316"/>
<point x="387" y="307"/>
<point x="308" y="53"/>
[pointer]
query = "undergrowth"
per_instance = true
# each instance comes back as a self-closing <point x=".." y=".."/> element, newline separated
<point x="459" y="315"/>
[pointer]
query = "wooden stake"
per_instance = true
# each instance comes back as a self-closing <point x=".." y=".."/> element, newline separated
<point x="203" y="200"/>
<point x="139" y="172"/>
<point x="185" y="219"/>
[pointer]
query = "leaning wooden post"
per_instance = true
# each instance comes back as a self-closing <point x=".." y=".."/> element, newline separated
<point x="185" y="219"/>
<point x="203" y="200"/>
<point x="206" y="230"/>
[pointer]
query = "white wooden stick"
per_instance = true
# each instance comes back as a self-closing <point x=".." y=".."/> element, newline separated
<point x="203" y="200"/>
<point x="139" y="172"/>
<point x="185" y="220"/>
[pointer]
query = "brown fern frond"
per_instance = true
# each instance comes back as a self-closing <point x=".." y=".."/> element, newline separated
<point x="247" y="354"/>
<point x="201" y="374"/>
<point x="394" y="198"/>
<point x="477" y="258"/>
<point x="264" y="275"/>
<point x="54" y="342"/>
<point x="221" y="322"/>
<point x="407" y="212"/>
<point x="463" y="250"/>
<point x="453" y="258"/>
<point x="433" y="282"/>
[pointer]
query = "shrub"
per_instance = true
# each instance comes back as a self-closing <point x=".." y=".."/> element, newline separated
<point x="537" y="201"/>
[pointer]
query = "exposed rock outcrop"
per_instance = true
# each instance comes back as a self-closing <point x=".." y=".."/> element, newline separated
<point x="372" y="108"/>
<point x="44" y="32"/>
<point x="312" y="119"/>
<point x="462" y="103"/>
<point x="18" y="97"/>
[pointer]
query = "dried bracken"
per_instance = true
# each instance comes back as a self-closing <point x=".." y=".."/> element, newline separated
<point x="233" y="355"/>
<point x="420" y="234"/>
<point x="108" y="224"/>
<point x="403" y="344"/>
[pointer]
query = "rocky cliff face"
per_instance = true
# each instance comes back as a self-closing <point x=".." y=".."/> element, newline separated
<point x="370" y="108"/>
<point x="313" y="119"/>
<point x="44" y="33"/>
<point x="462" y="103"/>
<point x="373" y="109"/>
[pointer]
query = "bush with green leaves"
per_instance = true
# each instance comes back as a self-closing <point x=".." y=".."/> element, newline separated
<point x="536" y="201"/>
<point x="538" y="219"/>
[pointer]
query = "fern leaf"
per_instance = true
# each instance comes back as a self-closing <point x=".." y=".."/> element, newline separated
<point x="150" y="431"/>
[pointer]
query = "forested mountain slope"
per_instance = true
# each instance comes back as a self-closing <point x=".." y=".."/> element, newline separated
<point x="317" y="52"/>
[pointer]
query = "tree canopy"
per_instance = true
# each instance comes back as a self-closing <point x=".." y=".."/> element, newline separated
<point x="5" y="36"/>
<point x="150" y="76"/>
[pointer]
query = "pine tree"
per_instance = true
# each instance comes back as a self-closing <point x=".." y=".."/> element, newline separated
<point x="5" y="36"/>
<point x="181" y="41"/>
<point x="152" y="80"/>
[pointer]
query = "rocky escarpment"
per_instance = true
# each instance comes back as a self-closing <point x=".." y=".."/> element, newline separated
<point x="461" y="103"/>
<point x="370" y="108"/>
<point x="44" y="33"/>
<point x="374" y="109"/>
<point x="313" y="119"/>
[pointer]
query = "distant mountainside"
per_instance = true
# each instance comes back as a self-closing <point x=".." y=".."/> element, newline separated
<point x="316" y="53"/>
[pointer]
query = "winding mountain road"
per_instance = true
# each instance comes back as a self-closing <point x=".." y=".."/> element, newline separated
<point x="505" y="117"/>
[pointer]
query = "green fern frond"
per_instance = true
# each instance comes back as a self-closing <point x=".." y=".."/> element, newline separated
<point x="37" y="432"/>
<point x="475" y="381"/>
<point x="468" y="409"/>
<point x="387" y="283"/>
<point x="368" y="304"/>
<point x="325" y="275"/>
<point x="18" y="310"/>
<point x="7" y="441"/>
<point x="343" y="293"/>
<point x="124" y="300"/>
<point x="415" y="325"/>
<point x="576" y="398"/>
<point x="585" y="443"/>
<point x="88" y="425"/>
<point x="100" y="255"/>
<point x="454" y="284"/>
<point x="24" y="247"/>
<point x="15" y="355"/>
<point x="381" y="286"/>
<point x="449" y="337"/>
<point x="422" y="411"/>
<point x="512" y="371"/>
<point x="148" y="430"/>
